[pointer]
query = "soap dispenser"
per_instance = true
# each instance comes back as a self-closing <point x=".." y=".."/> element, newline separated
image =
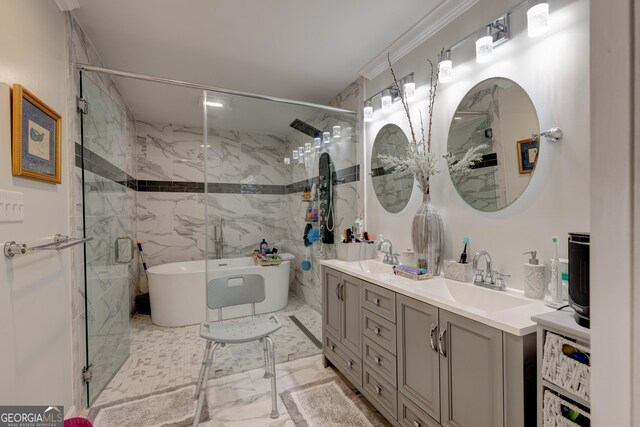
<point x="534" y="283"/>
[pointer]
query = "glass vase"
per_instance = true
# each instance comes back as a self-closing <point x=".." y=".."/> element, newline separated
<point x="427" y="236"/>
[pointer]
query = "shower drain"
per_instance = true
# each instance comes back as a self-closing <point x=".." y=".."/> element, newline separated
<point x="306" y="331"/>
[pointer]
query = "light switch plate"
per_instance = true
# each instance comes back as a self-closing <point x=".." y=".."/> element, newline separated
<point x="11" y="206"/>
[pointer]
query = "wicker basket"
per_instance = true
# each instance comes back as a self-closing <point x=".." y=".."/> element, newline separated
<point x="563" y="371"/>
<point x="552" y="411"/>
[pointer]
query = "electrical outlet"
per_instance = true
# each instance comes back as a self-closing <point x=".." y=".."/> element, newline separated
<point x="11" y="206"/>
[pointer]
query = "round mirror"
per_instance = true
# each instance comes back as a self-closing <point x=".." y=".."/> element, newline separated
<point x="393" y="189"/>
<point x="498" y="116"/>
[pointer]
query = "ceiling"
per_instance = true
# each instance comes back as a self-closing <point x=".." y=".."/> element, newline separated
<point x="295" y="49"/>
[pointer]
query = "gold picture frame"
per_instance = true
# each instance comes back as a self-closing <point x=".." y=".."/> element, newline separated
<point x="36" y="146"/>
<point x="527" y="148"/>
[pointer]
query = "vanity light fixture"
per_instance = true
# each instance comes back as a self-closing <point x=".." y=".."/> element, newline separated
<point x="307" y="147"/>
<point x="317" y="143"/>
<point x="409" y="86"/>
<point x="484" y="47"/>
<point x="326" y="137"/>
<point x="294" y="154"/>
<point x="537" y="17"/>
<point x="445" y="67"/>
<point x="552" y="135"/>
<point x="368" y="111"/>
<point x="493" y="35"/>
<point x="386" y="100"/>
<point x="337" y="131"/>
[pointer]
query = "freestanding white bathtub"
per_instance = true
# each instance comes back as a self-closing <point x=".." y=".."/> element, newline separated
<point x="178" y="295"/>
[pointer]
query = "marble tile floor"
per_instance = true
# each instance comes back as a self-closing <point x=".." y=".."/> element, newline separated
<point x="162" y="358"/>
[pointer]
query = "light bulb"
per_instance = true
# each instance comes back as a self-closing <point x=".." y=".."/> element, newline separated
<point x="317" y="143"/>
<point x="294" y="154"/>
<point x="386" y="100"/>
<point x="537" y="19"/>
<point x="301" y="152"/>
<point x="287" y="161"/>
<point x="484" y="48"/>
<point x="445" y="68"/>
<point x="409" y="86"/>
<point x="367" y="111"/>
<point x="337" y="131"/>
<point x="307" y="147"/>
<point x="326" y="137"/>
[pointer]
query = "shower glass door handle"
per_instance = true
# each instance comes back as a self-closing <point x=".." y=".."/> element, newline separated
<point x="118" y="250"/>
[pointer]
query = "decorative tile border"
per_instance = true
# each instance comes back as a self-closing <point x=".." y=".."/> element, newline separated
<point x="98" y="165"/>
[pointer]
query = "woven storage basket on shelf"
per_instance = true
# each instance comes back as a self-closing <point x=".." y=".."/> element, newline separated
<point x="563" y="371"/>
<point x="552" y="411"/>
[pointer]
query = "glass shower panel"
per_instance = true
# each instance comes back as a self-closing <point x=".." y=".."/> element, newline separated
<point x="253" y="195"/>
<point x="108" y="255"/>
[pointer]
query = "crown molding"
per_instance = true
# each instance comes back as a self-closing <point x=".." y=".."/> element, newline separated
<point x="434" y="21"/>
<point x="67" y="5"/>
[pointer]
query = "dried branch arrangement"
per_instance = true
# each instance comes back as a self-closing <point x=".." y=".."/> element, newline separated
<point x="421" y="159"/>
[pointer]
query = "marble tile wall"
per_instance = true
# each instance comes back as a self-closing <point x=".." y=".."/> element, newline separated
<point x="344" y="154"/>
<point x="110" y="305"/>
<point x="171" y="225"/>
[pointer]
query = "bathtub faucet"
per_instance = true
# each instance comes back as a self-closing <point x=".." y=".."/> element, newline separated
<point x="218" y="239"/>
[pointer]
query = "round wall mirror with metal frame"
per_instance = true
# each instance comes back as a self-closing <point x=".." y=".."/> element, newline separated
<point x="498" y="113"/>
<point x="393" y="189"/>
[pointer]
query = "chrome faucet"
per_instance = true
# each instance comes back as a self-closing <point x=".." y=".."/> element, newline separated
<point x="490" y="278"/>
<point x="389" y="257"/>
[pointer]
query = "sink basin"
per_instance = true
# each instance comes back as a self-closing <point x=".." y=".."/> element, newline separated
<point x="373" y="266"/>
<point x="481" y="298"/>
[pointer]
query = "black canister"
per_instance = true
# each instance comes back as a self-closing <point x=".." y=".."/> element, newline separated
<point x="579" y="244"/>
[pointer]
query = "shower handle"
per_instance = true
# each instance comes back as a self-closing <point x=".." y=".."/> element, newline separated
<point x="132" y="250"/>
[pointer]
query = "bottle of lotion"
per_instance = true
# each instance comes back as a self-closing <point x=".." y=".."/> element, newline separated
<point x="534" y="284"/>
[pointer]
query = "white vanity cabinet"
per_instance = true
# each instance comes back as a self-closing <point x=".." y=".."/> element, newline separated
<point x="425" y="366"/>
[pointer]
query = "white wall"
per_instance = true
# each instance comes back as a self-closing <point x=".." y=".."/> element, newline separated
<point x="35" y="312"/>
<point x="554" y="71"/>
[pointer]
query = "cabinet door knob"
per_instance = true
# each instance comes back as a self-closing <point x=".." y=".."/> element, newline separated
<point x="377" y="360"/>
<point x="378" y="389"/>
<point x="376" y="301"/>
<point x="376" y="331"/>
<point x="350" y="364"/>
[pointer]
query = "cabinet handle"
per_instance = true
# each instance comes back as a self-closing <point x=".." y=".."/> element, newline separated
<point x="342" y="292"/>
<point x="350" y="364"/>
<point x="332" y="347"/>
<point x="338" y="290"/>
<point x="377" y="360"/>
<point x="432" y="337"/>
<point x="376" y="331"/>
<point x="416" y="424"/>
<point x="376" y="301"/>
<point x="378" y="389"/>
<point x="443" y="342"/>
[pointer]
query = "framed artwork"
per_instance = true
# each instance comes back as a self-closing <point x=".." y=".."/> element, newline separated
<point x="36" y="138"/>
<point x="527" y="155"/>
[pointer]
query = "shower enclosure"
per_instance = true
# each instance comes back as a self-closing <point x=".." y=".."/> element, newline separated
<point x="260" y="157"/>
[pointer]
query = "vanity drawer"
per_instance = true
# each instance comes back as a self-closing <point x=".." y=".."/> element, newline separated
<point x="410" y="415"/>
<point x="380" y="360"/>
<point x="350" y="365"/>
<point x="379" y="330"/>
<point x="382" y="393"/>
<point x="379" y="300"/>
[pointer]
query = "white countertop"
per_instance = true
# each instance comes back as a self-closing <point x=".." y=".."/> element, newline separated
<point x="509" y="310"/>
